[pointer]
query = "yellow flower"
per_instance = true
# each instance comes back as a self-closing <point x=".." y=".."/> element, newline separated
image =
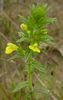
<point x="23" y="26"/>
<point x="45" y="32"/>
<point x="28" y="32"/>
<point x="34" y="48"/>
<point x="10" y="48"/>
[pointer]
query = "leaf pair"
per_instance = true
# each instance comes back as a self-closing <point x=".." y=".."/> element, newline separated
<point x="20" y="86"/>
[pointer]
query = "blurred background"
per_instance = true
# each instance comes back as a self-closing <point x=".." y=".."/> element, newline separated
<point x="10" y="25"/>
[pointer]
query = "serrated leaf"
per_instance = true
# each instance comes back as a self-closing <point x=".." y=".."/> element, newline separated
<point x="15" y="57"/>
<point x="21" y="34"/>
<point x="19" y="54"/>
<point x="27" y="54"/>
<point x="38" y="66"/>
<point x="20" y="86"/>
<point x="49" y="42"/>
<point x="24" y="20"/>
<point x="44" y="36"/>
<point x="24" y="36"/>
<point x="47" y="39"/>
<point x="51" y="20"/>
<point x="39" y="90"/>
<point x="21" y="40"/>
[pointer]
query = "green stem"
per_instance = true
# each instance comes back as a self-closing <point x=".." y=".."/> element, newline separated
<point x="32" y="97"/>
<point x="29" y="76"/>
<point x="29" y="80"/>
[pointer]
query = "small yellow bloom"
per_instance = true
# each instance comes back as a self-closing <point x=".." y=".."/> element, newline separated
<point x="28" y="32"/>
<point x="10" y="48"/>
<point x="45" y="32"/>
<point x="34" y="48"/>
<point x="23" y="26"/>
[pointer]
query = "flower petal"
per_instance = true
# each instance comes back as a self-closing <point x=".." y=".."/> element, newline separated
<point x="34" y="48"/>
<point x="10" y="48"/>
<point x="23" y="26"/>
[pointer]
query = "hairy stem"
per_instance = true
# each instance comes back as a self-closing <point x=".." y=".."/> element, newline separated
<point x="29" y="80"/>
<point x="29" y="76"/>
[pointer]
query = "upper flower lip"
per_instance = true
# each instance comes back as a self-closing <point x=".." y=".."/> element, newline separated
<point x="10" y="48"/>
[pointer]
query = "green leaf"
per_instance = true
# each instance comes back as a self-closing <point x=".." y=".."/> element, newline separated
<point x="21" y="34"/>
<point x="48" y="42"/>
<point x="45" y="36"/>
<point x="23" y="20"/>
<point x="15" y="57"/>
<point x="51" y="20"/>
<point x="20" y="54"/>
<point x="21" y="40"/>
<point x="39" y="90"/>
<point x="20" y="86"/>
<point x="38" y="66"/>
<point x="46" y="39"/>
<point x="27" y="54"/>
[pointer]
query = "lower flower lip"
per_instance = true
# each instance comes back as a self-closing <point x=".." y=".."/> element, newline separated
<point x="35" y="49"/>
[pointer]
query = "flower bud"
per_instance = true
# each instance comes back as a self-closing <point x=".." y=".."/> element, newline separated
<point x="28" y="32"/>
<point x="23" y="27"/>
